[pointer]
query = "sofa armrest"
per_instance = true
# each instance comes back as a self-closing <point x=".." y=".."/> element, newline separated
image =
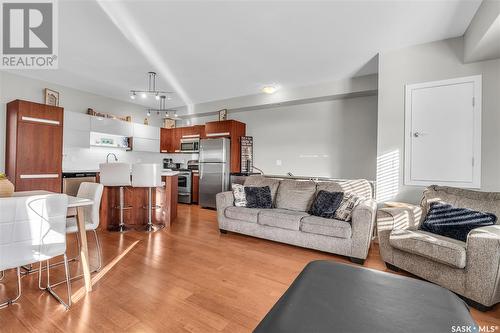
<point x="399" y="218"/>
<point x="223" y="200"/>
<point x="362" y="224"/>
<point x="483" y="265"/>
<point x="395" y="218"/>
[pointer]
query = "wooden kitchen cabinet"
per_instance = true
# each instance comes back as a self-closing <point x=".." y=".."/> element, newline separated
<point x="176" y="139"/>
<point x="230" y="129"/>
<point x="195" y="187"/>
<point x="166" y="140"/>
<point x="34" y="146"/>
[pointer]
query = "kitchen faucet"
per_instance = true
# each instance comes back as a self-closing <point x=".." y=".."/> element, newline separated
<point x="107" y="157"/>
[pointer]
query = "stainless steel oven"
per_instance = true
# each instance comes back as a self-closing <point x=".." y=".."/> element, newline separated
<point x="190" y="145"/>
<point x="184" y="186"/>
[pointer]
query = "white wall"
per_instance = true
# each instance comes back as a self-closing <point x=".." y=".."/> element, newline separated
<point x="19" y="87"/>
<point x="325" y="139"/>
<point x="428" y="62"/>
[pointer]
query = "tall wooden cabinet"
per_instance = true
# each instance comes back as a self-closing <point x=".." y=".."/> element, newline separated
<point x="33" y="155"/>
<point x="230" y="129"/>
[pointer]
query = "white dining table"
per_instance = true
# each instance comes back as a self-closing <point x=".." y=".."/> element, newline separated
<point x="79" y="204"/>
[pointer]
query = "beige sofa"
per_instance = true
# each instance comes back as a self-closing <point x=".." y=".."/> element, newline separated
<point x="289" y="222"/>
<point x="470" y="269"/>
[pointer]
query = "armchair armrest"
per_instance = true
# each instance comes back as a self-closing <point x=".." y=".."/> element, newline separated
<point x="362" y="224"/>
<point x="483" y="265"/>
<point x="399" y="218"/>
<point x="395" y="218"/>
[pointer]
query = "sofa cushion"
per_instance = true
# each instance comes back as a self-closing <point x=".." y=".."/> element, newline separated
<point x="239" y="195"/>
<point x="295" y="195"/>
<point x="260" y="181"/>
<point x="442" y="249"/>
<point x="326" y="203"/>
<point x="328" y="227"/>
<point x="361" y="187"/>
<point x="242" y="213"/>
<point x="281" y="218"/>
<point x="445" y="220"/>
<point x="463" y="198"/>
<point x="258" y="197"/>
<point x="346" y="207"/>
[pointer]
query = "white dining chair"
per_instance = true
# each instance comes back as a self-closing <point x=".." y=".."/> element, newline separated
<point x="33" y="229"/>
<point x="92" y="191"/>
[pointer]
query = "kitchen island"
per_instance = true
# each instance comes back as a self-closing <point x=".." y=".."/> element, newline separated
<point x="136" y="201"/>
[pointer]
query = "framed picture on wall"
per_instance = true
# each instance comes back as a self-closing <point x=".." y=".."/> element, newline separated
<point x="223" y="114"/>
<point x="51" y="97"/>
<point x="168" y="123"/>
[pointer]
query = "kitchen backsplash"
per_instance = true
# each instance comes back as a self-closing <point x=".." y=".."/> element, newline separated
<point x="88" y="159"/>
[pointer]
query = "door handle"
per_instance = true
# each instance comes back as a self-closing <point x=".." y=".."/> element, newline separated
<point x="418" y="134"/>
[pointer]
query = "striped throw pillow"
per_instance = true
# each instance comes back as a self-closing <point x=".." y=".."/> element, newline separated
<point x="349" y="202"/>
<point x="445" y="220"/>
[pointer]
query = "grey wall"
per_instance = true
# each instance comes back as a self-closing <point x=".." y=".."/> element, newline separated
<point x="329" y="139"/>
<point x="428" y="62"/>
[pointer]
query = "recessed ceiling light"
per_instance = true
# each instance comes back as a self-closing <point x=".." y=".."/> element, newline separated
<point x="132" y="95"/>
<point x="269" y="89"/>
<point x="144" y="95"/>
<point x="157" y="96"/>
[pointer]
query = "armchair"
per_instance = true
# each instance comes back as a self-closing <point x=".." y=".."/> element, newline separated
<point x="470" y="269"/>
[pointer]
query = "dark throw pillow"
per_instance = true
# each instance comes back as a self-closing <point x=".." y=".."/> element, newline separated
<point x="445" y="220"/>
<point x="326" y="203"/>
<point x="258" y="197"/>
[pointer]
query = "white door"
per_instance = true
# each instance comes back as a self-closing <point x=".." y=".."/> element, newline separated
<point x="443" y="133"/>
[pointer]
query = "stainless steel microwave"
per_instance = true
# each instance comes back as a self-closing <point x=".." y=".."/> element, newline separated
<point x="191" y="145"/>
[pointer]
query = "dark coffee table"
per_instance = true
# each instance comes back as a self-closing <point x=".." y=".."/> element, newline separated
<point x="333" y="297"/>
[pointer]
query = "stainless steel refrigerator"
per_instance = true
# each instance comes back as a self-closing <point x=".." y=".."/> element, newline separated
<point x="214" y="168"/>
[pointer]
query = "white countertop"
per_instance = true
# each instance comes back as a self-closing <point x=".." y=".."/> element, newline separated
<point x="169" y="173"/>
<point x="163" y="173"/>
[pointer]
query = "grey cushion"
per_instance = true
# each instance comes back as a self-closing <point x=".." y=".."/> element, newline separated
<point x="261" y="181"/>
<point x="442" y="249"/>
<point x="295" y="195"/>
<point x="242" y="213"/>
<point x="360" y="187"/>
<point x="327" y="227"/>
<point x="281" y="218"/>
<point x="329" y="187"/>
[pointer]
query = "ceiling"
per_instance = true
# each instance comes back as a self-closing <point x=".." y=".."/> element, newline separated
<point x="206" y="50"/>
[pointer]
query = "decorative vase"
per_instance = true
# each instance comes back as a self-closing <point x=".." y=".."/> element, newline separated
<point x="6" y="188"/>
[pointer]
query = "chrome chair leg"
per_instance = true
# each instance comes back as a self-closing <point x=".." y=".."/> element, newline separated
<point x="99" y="264"/>
<point x="19" y="290"/>
<point x="50" y="289"/>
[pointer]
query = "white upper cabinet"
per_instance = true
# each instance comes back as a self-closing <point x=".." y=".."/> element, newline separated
<point x="149" y="145"/>
<point x="111" y="126"/>
<point x="76" y="130"/>
<point x="146" y="132"/>
<point x="443" y="133"/>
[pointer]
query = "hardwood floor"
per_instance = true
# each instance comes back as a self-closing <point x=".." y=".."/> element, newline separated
<point x="188" y="278"/>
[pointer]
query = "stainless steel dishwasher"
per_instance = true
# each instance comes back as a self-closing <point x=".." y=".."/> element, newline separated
<point x="72" y="181"/>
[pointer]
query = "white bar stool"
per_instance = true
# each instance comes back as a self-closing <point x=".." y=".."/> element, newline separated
<point x="148" y="175"/>
<point x="116" y="174"/>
